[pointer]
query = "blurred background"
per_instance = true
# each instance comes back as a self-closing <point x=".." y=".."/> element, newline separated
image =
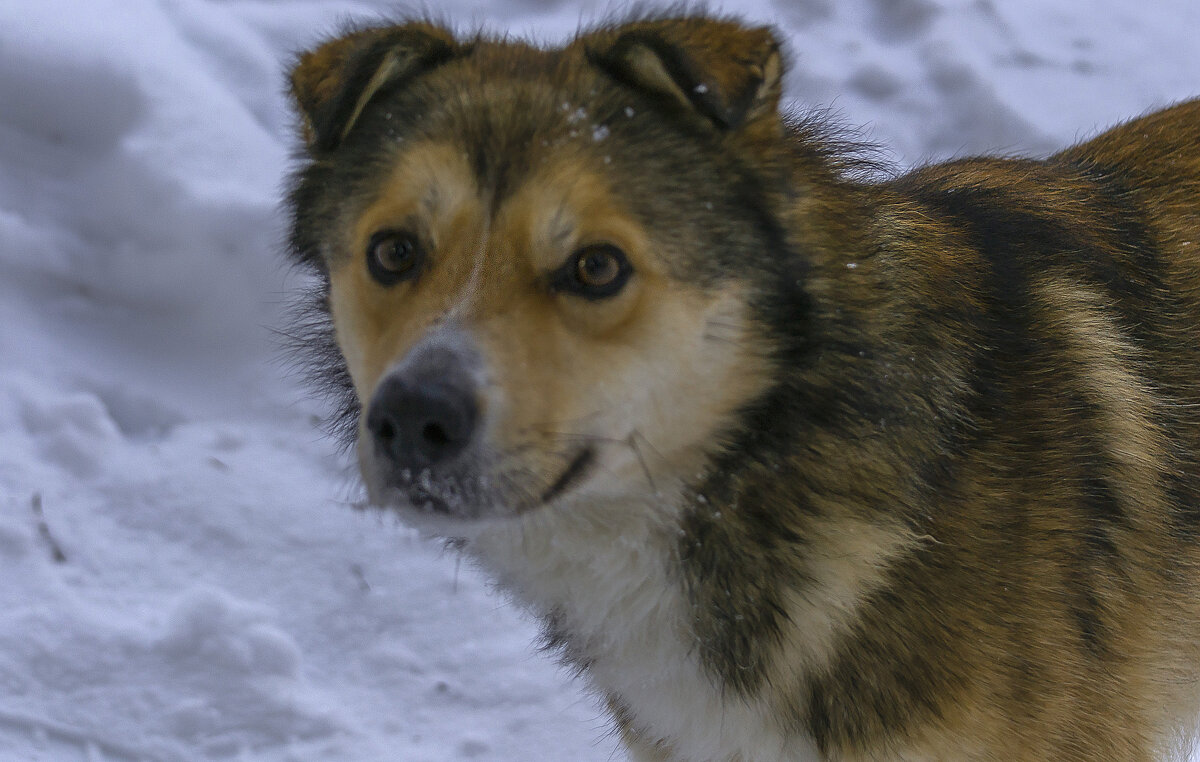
<point x="181" y="577"/>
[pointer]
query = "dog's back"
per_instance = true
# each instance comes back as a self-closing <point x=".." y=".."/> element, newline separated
<point x="1052" y="609"/>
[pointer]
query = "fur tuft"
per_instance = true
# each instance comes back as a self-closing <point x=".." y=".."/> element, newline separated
<point x="310" y="347"/>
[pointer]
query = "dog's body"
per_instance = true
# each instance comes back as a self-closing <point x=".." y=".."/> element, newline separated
<point x="792" y="465"/>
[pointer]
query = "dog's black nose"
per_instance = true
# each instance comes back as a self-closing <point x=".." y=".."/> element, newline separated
<point x="420" y="422"/>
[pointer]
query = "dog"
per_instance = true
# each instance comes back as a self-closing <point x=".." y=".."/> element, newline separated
<point x="792" y="460"/>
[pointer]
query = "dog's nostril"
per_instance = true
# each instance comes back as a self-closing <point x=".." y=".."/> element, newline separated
<point x="435" y="435"/>
<point x="385" y="430"/>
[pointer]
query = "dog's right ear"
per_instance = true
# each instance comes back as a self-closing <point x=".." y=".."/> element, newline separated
<point x="333" y="83"/>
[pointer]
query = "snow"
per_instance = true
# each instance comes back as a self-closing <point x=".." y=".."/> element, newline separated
<point x="217" y="596"/>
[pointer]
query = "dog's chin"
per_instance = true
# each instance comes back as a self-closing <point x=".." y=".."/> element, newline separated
<point x="444" y="509"/>
<point x="435" y="517"/>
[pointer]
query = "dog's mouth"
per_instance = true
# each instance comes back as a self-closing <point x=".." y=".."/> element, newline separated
<point x="428" y="502"/>
<point x="461" y="497"/>
<point x="428" y="494"/>
<point x="575" y="471"/>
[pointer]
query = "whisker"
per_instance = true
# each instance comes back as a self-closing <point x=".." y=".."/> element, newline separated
<point x="653" y="450"/>
<point x="567" y="436"/>
<point x="565" y="421"/>
<point x="631" y="440"/>
<point x="714" y="327"/>
<point x="722" y="324"/>
<point x="723" y="339"/>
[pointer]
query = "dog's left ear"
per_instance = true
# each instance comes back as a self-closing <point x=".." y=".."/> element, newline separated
<point x="726" y="73"/>
<point x="332" y="84"/>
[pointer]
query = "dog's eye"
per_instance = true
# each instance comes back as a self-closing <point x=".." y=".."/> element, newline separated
<point x="393" y="256"/>
<point x="596" y="271"/>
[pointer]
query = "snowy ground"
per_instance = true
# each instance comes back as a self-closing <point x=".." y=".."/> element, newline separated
<point x="180" y="575"/>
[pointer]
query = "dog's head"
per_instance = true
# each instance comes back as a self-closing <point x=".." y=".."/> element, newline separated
<point x="542" y="265"/>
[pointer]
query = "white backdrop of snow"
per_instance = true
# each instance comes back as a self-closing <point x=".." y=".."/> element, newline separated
<point x="219" y="599"/>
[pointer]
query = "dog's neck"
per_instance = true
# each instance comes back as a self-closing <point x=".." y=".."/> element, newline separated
<point x="597" y="573"/>
<point x="606" y="580"/>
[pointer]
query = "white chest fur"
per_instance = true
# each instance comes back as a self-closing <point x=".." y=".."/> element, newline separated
<point x="607" y="575"/>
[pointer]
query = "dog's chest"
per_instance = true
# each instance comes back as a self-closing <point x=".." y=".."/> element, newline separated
<point x="622" y="613"/>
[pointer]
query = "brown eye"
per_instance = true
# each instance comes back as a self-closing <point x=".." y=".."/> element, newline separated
<point x="597" y="267"/>
<point x="393" y="256"/>
<point x="595" y="272"/>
